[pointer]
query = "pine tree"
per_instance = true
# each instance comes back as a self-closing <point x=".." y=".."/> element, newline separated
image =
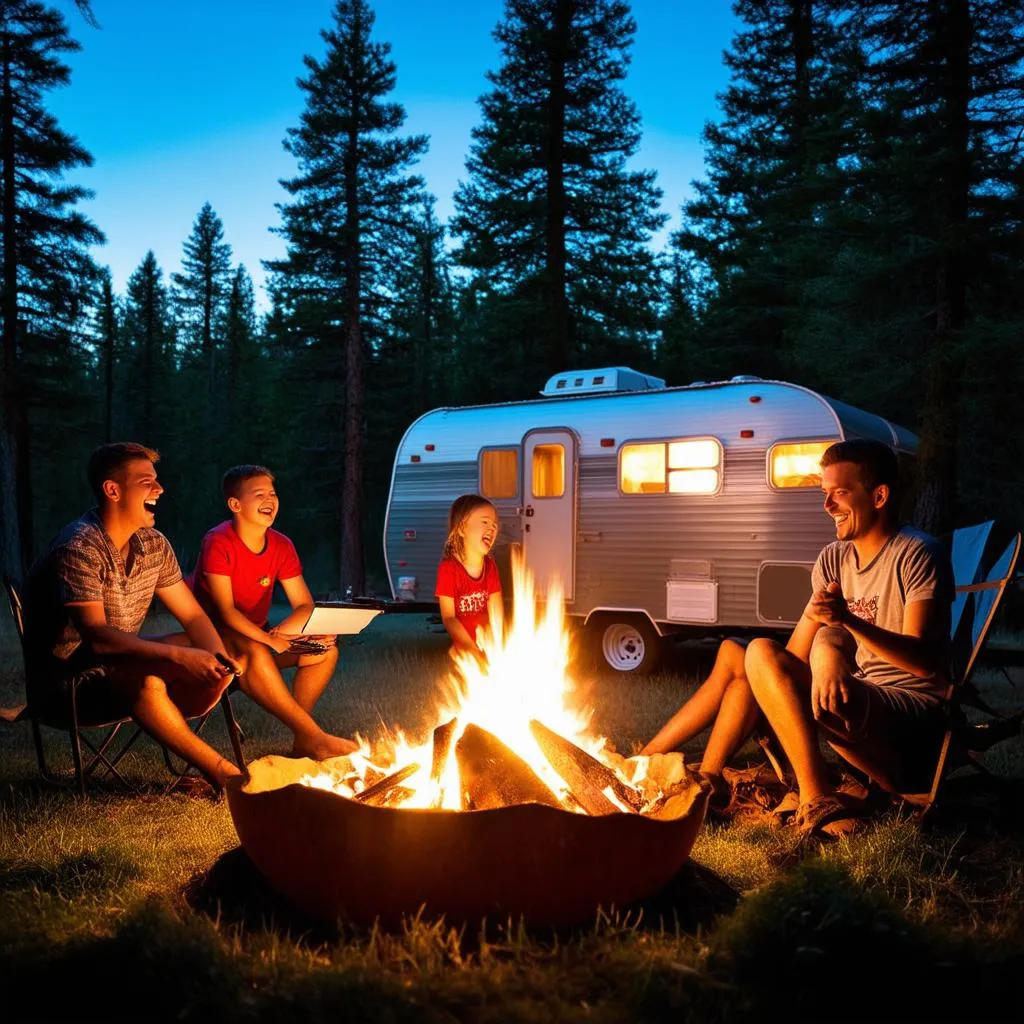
<point x="763" y="225"/>
<point x="46" y="271"/>
<point x="108" y="329"/>
<point x="149" y="339"/>
<point x="550" y="220"/>
<point x="201" y="289"/>
<point x="349" y="219"/>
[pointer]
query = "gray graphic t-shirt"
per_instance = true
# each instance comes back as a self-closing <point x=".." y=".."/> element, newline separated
<point x="911" y="567"/>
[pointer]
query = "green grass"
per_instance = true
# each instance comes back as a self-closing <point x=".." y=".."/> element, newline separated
<point x="143" y="906"/>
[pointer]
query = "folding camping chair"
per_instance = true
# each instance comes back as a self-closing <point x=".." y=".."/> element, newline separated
<point x="983" y="565"/>
<point x="78" y="730"/>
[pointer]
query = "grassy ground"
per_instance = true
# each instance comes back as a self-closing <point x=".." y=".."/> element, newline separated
<point x="143" y="906"/>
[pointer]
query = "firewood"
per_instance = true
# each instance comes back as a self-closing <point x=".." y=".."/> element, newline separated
<point x="585" y="776"/>
<point x="491" y="775"/>
<point x="377" y="794"/>
<point x="443" y="736"/>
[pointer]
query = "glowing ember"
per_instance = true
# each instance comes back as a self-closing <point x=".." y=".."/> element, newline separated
<point x="525" y="680"/>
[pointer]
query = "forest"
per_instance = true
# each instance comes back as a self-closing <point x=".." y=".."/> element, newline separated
<point x="859" y="230"/>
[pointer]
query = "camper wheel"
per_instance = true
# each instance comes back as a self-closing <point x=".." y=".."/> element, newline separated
<point x="626" y="644"/>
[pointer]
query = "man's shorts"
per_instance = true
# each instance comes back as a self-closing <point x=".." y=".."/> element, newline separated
<point x="899" y="735"/>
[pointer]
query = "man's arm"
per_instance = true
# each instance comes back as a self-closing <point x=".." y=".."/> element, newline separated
<point x="90" y="620"/>
<point x="802" y="637"/>
<point x="918" y="649"/>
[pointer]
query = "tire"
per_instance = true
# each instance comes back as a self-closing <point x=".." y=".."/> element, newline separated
<point x="628" y="645"/>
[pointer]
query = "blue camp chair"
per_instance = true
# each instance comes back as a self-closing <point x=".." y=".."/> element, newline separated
<point x="983" y="566"/>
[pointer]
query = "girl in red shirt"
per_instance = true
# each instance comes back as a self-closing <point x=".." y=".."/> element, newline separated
<point x="468" y="587"/>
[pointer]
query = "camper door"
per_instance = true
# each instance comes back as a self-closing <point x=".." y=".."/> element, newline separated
<point x="549" y="508"/>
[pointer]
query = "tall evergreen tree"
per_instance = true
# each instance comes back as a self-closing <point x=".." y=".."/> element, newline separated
<point x="946" y="88"/>
<point x="240" y="342"/>
<point x="551" y="220"/>
<point x="201" y="288"/>
<point x="149" y="340"/>
<point x="46" y="271"/>
<point x="763" y="225"/>
<point x="348" y="219"/>
<point x="108" y="329"/>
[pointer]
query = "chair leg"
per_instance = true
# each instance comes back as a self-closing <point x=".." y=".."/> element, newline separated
<point x="234" y="732"/>
<point x="76" y="746"/>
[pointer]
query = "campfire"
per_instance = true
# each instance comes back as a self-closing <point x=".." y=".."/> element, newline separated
<point x="508" y="805"/>
<point x="510" y="733"/>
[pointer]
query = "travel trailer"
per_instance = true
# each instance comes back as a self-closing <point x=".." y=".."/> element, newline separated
<point x="659" y="509"/>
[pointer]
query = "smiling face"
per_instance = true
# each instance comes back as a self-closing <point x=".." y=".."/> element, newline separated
<point x="479" y="530"/>
<point x="256" y="502"/>
<point x="134" y="493"/>
<point x="857" y="511"/>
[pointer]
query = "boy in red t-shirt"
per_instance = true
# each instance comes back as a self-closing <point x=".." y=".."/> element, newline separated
<point x="239" y="562"/>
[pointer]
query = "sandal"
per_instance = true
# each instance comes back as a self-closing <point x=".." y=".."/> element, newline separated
<point x="784" y="812"/>
<point x="829" y="816"/>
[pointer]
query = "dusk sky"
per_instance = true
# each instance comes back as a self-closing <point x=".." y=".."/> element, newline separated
<point x="186" y="103"/>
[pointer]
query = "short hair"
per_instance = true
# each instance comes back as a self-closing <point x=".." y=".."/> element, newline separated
<point x="237" y="475"/>
<point x="108" y="461"/>
<point x="877" y="461"/>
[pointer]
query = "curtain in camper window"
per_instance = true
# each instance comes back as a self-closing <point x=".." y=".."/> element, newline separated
<point x="499" y="473"/>
<point x="548" y="471"/>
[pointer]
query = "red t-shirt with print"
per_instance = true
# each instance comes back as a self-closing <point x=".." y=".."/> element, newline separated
<point x="470" y="595"/>
<point x="252" y="575"/>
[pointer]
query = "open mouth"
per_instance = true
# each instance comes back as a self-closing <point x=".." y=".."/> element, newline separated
<point x="150" y="506"/>
<point x="266" y="510"/>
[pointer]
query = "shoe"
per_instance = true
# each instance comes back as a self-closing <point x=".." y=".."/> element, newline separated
<point x="829" y="816"/>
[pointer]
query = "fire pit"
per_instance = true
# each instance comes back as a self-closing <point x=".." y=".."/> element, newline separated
<point x="509" y="808"/>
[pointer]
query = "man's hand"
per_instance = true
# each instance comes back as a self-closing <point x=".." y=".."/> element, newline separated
<point x="827" y="606"/>
<point x="280" y="643"/>
<point x="829" y="694"/>
<point x="202" y="664"/>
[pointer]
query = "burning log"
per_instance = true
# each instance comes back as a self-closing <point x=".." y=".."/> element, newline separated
<point x="443" y="737"/>
<point x="585" y="776"/>
<point x="491" y="775"/>
<point x="378" y="794"/>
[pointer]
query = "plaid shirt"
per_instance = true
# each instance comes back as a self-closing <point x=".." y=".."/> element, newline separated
<point x="82" y="565"/>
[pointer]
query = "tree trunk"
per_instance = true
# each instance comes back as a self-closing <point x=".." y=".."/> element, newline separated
<point x="561" y="346"/>
<point x="14" y="545"/>
<point x="353" y="572"/>
<point x="936" y="459"/>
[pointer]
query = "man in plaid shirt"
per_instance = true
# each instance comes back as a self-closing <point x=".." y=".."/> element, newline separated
<point x="86" y="599"/>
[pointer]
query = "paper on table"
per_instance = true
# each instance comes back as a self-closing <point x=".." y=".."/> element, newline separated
<point x="325" y="620"/>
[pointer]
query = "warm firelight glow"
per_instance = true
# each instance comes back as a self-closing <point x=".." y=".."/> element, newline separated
<point x="526" y="677"/>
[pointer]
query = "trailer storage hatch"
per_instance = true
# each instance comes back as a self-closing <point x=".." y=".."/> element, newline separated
<point x="691" y="601"/>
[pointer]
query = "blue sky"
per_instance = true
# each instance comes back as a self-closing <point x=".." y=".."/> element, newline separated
<point x="189" y="102"/>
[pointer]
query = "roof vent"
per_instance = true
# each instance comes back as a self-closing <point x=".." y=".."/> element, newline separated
<point x="604" y="381"/>
<point x="745" y="378"/>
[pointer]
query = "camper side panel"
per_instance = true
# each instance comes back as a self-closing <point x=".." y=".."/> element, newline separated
<point x="632" y="545"/>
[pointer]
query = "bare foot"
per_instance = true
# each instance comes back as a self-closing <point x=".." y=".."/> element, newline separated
<point x="321" y="746"/>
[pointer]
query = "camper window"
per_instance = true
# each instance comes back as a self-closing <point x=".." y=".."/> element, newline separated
<point x="499" y="473"/>
<point x="548" y="471"/>
<point x="796" y="463"/>
<point x="683" y="466"/>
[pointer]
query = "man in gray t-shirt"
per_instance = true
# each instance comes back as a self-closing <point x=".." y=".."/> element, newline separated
<point x="867" y="661"/>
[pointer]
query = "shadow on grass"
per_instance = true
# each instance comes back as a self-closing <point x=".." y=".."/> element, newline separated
<point x="234" y="893"/>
